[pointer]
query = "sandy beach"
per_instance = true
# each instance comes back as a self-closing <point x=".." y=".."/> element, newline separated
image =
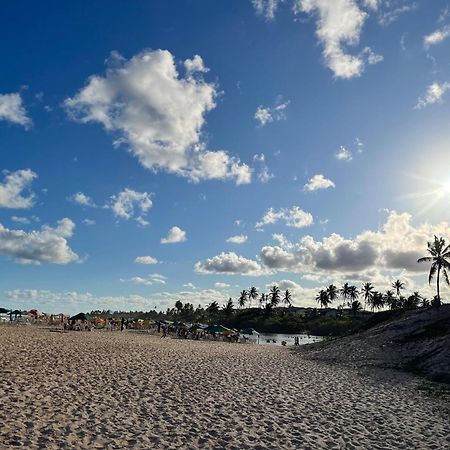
<point x="134" y="390"/>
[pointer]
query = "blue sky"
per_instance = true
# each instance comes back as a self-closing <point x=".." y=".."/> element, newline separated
<point x="312" y="133"/>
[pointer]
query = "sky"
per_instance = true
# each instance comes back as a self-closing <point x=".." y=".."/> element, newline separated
<point x="187" y="150"/>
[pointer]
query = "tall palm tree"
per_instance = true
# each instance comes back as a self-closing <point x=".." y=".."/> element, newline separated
<point x="345" y="294"/>
<point x="389" y="299"/>
<point x="353" y="293"/>
<point x="252" y="294"/>
<point x="355" y="306"/>
<point x="262" y="299"/>
<point x="242" y="299"/>
<point x="332" y="292"/>
<point x="287" y="298"/>
<point x="377" y="300"/>
<point x="213" y="308"/>
<point x="440" y="261"/>
<point x="367" y="291"/>
<point x="397" y="285"/>
<point x="322" y="298"/>
<point x="228" y="307"/>
<point x="274" y="295"/>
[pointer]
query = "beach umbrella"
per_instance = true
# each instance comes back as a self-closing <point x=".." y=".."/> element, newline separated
<point x="4" y="311"/>
<point x="196" y="328"/>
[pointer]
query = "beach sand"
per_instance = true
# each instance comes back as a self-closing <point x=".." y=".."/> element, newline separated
<point x="134" y="390"/>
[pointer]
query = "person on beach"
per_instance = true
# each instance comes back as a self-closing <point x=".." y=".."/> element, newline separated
<point x="122" y="324"/>
<point x="164" y="335"/>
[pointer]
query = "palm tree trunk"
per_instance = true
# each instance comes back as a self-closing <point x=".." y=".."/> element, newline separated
<point x="437" y="283"/>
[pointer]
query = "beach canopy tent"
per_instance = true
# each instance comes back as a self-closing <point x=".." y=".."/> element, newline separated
<point x="81" y="316"/>
<point x="4" y="311"/>
<point x="218" y="329"/>
<point x="33" y="312"/>
<point x="250" y="332"/>
<point x="195" y="328"/>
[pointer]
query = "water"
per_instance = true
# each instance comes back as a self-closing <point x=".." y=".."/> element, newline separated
<point x="289" y="338"/>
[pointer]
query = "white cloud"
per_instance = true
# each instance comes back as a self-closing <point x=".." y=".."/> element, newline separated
<point x="22" y="220"/>
<point x="154" y="278"/>
<point x="294" y="217"/>
<point x="283" y="242"/>
<point x="146" y="260"/>
<point x="73" y="301"/>
<point x="11" y="195"/>
<point x="268" y="114"/>
<point x="229" y="263"/>
<point x="221" y="285"/>
<point x="397" y="246"/>
<point x="370" y="56"/>
<point x="267" y="8"/>
<point x="12" y="110"/>
<point x="359" y="145"/>
<point x="82" y="199"/>
<point x="88" y="222"/>
<point x="49" y="245"/>
<point x="264" y="174"/>
<point x="436" y="37"/>
<point x="301" y="296"/>
<point x="189" y="286"/>
<point x="339" y="23"/>
<point x="238" y="239"/>
<point x="434" y="94"/>
<point x="129" y="204"/>
<point x="391" y="14"/>
<point x="158" y="114"/>
<point x="343" y="154"/>
<point x="174" y="235"/>
<point x="318" y="182"/>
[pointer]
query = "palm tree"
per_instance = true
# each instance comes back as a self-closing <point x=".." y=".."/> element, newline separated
<point x="228" y="307"/>
<point x="440" y="260"/>
<point x="252" y="294"/>
<point x="274" y="296"/>
<point x="398" y="286"/>
<point x="345" y="291"/>
<point x="322" y="298"/>
<point x="332" y="292"/>
<point x="262" y="299"/>
<point x="353" y="293"/>
<point x="213" y="308"/>
<point x="389" y="299"/>
<point x="425" y="303"/>
<point x="355" y="306"/>
<point x="242" y="299"/>
<point x="367" y="291"/>
<point x="377" y="300"/>
<point x="287" y="298"/>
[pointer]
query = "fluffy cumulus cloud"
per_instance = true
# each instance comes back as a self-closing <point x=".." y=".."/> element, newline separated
<point x="397" y="246"/>
<point x="294" y="217"/>
<point x="48" y="245"/>
<point x="154" y="278"/>
<point x="318" y="182"/>
<point x="146" y="260"/>
<point x="434" y="94"/>
<point x="158" y="114"/>
<point x="339" y="24"/>
<point x="238" y="239"/>
<point x="436" y="37"/>
<point x="268" y="114"/>
<point x="229" y="263"/>
<point x="221" y="285"/>
<point x="343" y="154"/>
<point x="13" y="111"/>
<point x="175" y="234"/>
<point x="82" y="199"/>
<point x="13" y="187"/>
<point x="129" y="204"/>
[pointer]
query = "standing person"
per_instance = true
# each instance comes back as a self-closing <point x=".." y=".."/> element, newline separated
<point x="122" y="324"/>
<point x="164" y="335"/>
